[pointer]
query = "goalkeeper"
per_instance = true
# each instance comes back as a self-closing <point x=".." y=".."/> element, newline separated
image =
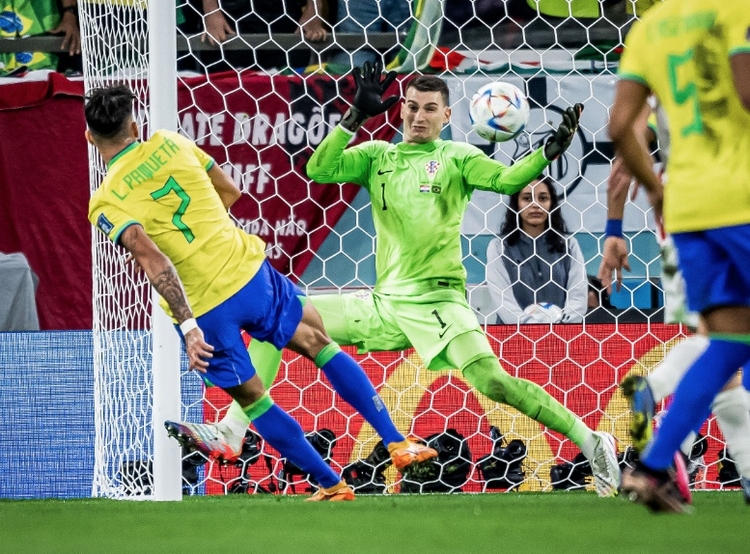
<point x="419" y="191"/>
<point x="165" y="201"/>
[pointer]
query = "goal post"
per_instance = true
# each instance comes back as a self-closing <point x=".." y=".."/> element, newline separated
<point x="136" y="350"/>
<point x="162" y="78"/>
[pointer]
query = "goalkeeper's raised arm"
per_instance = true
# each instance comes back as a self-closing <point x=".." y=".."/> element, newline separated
<point x="333" y="162"/>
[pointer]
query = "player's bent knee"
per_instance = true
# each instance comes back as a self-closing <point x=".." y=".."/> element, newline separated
<point x="309" y="340"/>
<point x="248" y="392"/>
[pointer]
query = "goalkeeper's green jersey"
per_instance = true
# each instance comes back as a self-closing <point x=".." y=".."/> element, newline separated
<point x="419" y="193"/>
<point x="682" y="51"/>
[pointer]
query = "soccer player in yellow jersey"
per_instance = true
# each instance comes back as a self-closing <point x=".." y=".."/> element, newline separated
<point x="165" y="201"/>
<point x="694" y="55"/>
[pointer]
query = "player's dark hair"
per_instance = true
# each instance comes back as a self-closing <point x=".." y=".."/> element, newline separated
<point x="511" y="228"/>
<point x="430" y="83"/>
<point x="108" y="110"/>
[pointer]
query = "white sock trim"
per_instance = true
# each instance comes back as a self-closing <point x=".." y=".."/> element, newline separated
<point x="665" y="376"/>
<point x="731" y="410"/>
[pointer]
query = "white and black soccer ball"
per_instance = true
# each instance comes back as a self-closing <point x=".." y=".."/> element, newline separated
<point x="499" y="111"/>
<point x="544" y="312"/>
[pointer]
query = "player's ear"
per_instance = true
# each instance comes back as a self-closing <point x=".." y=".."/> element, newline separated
<point x="88" y="136"/>
<point x="134" y="129"/>
<point x="447" y="115"/>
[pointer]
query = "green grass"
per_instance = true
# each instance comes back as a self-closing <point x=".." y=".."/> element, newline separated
<point x="493" y="523"/>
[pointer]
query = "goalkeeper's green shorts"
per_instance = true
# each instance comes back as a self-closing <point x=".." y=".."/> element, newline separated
<point x="375" y="322"/>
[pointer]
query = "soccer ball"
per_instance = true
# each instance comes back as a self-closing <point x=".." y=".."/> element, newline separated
<point x="542" y="313"/>
<point x="499" y="111"/>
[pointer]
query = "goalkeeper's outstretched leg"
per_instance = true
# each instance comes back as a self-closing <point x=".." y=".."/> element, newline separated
<point x="485" y="373"/>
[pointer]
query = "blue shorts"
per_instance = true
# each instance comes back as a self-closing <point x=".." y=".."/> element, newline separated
<point x="716" y="266"/>
<point x="268" y="308"/>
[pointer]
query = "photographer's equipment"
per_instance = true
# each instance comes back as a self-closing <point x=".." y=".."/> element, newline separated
<point x="571" y="476"/>
<point x="367" y="476"/>
<point x="503" y="468"/>
<point x="628" y="458"/>
<point x="137" y="477"/>
<point x="446" y="473"/>
<point x="696" y="464"/>
<point x="252" y="450"/>
<point x="728" y="474"/>
<point x="323" y="442"/>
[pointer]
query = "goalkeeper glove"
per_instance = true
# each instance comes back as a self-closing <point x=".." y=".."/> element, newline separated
<point x="368" y="100"/>
<point x="559" y="142"/>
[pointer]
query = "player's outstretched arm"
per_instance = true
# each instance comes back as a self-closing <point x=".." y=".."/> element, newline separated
<point x="615" y="249"/>
<point x="163" y="277"/>
<point x="485" y="173"/>
<point x="368" y="97"/>
<point x="630" y="98"/>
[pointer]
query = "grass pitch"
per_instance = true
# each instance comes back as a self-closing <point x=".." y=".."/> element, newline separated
<point x="575" y="522"/>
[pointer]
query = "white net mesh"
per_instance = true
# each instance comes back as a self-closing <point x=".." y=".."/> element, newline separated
<point x="245" y="104"/>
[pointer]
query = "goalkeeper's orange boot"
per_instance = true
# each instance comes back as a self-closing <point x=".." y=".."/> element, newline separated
<point x="337" y="493"/>
<point x="407" y="452"/>
<point x="208" y="439"/>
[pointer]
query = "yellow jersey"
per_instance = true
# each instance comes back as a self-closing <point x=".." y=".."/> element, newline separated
<point x="681" y="50"/>
<point x="162" y="184"/>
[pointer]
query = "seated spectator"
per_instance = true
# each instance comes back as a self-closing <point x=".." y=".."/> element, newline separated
<point x="22" y="19"/>
<point x="535" y="269"/>
<point x="369" y="16"/>
<point x="225" y="19"/>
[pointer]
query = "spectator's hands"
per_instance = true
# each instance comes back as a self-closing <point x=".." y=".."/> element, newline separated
<point x="614" y="259"/>
<point x="72" y="35"/>
<point x="312" y="27"/>
<point x="218" y="30"/>
<point x="370" y="88"/>
<point x="559" y="142"/>
<point x="198" y="350"/>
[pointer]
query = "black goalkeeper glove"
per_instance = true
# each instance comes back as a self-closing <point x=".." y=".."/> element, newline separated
<point x="368" y="98"/>
<point x="559" y="142"/>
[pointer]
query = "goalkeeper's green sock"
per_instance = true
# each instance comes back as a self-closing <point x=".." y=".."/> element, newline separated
<point x="489" y="378"/>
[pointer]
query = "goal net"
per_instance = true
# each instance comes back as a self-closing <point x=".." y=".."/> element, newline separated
<point x="260" y="104"/>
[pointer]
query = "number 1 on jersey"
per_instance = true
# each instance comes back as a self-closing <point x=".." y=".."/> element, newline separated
<point x="170" y="186"/>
